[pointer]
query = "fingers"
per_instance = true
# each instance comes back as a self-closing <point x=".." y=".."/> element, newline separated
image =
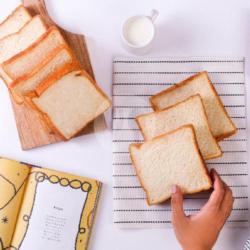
<point x="178" y="215"/>
<point x="227" y="204"/>
<point x="219" y="192"/>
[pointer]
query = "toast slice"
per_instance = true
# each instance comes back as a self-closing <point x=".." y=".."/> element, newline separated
<point x="26" y="61"/>
<point x="15" y="21"/>
<point x="69" y="102"/>
<point x="19" y="41"/>
<point x="58" y="58"/>
<point x="190" y="111"/>
<point x="167" y="160"/>
<point x="221" y="124"/>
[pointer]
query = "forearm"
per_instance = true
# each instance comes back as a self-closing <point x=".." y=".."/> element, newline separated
<point x="196" y="248"/>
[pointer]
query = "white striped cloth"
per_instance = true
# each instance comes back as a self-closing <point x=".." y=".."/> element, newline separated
<point x="247" y="245"/>
<point x="134" y="81"/>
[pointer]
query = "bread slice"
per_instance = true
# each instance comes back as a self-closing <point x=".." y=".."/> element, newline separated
<point x="58" y="58"/>
<point x="19" y="41"/>
<point x="15" y="21"/>
<point x="190" y="111"/>
<point x="219" y="121"/>
<point x="69" y="103"/>
<point x="26" y="61"/>
<point x="167" y="160"/>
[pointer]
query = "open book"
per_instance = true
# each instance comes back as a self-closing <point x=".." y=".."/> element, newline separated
<point x="45" y="209"/>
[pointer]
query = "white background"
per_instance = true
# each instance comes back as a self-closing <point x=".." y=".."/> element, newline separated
<point x="186" y="28"/>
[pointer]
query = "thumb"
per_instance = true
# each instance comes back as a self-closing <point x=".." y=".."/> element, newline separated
<point x="178" y="215"/>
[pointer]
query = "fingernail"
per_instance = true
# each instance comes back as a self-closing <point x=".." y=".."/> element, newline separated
<point x="174" y="189"/>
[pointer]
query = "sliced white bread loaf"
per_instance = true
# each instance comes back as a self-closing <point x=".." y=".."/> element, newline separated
<point x="57" y="59"/>
<point x="19" y="41"/>
<point x="190" y="111"/>
<point x="15" y="21"/>
<point x="69" y="102"/>
<point x="167" y="160"/>
<point x="219" y="121"/>
<point x="29" y="59"/>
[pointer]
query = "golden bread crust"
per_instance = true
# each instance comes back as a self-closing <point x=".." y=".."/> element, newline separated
<point x="204" y="168"/>
<point x="186" y="82"/>
<point x="27" y="51"/>
<point x="19" y="31"/>
<point x="49" y="82"/>
<point x="14" y="11"/>
<point x="39" y="67"/>
<point x="20" y="80"/>
<point x="208" y="157"/>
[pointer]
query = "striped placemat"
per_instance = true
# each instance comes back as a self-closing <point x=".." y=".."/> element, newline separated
<point x="134" y="81"/>
<point x="247" y="245"/>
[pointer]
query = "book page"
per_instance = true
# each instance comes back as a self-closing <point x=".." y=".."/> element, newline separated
<point x="13" y="179"/>
<point x="56" y="213"/>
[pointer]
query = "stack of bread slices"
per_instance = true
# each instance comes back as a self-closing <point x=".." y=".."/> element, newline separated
<point x="41" y="71"/>
<point x="184" y="130"/>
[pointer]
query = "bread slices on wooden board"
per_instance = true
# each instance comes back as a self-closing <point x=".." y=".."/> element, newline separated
<point x="26" y="61"/>
<point x="219" y="121"/>
<point x="58" y="58"/>
<point x="19" y="41"/>
<point x="15" y="21"/>
<point x="167" y="160"/>
<point x="189" y="111"/>
<point x="69" y="103"/>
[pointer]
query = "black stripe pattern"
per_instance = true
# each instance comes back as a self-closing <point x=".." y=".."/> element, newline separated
<point x="134" y="81"/>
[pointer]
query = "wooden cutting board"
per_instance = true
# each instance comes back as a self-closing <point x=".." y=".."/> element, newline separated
<point x="32" y="130"/>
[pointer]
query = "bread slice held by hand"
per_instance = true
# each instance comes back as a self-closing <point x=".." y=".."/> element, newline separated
<point x="69" y="102"/>
<point x="60" y="57"/>
<point x="15" y="21"/>
<point x="29" y="59"/>
<point x="189" y="111"/>
<point x="218" y="118"/>
<point x="170" y="159"/>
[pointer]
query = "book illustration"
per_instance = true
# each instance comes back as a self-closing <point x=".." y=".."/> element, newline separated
<point x="11" y="180"/>
<point x="10" y="188"/>
<point x="50" y="209"/>
<point x="12" y="185"/>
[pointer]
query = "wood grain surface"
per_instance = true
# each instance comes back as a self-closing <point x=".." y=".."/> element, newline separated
<point x="33" y="132"/>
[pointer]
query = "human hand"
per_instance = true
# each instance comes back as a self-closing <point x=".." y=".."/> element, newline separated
<point x="200" y="231"/>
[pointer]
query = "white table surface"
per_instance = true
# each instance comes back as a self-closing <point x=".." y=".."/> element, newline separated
<point x="186" y="28"/>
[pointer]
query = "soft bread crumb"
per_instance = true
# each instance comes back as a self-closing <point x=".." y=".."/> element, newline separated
<point x="219" y="121"/>
<point x="15" y="21"/>
<point x="190" y="111"/>
<point x="170" y="159"/>
<point x="71" y="103"/>
<point x="58" y="58"/>
<point x="25" y="62"/>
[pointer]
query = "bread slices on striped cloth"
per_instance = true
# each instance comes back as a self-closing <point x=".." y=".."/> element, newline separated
<point x="167" y="160"/>
<point x="221" y="124"/>
<point x="15" y="21"/>
<point x="29" y="59"/>
<point x="58" y="58"/>
<point x="19" y="41"/>
<point x="69" y="101"/>
<point x="189" y="111"/>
